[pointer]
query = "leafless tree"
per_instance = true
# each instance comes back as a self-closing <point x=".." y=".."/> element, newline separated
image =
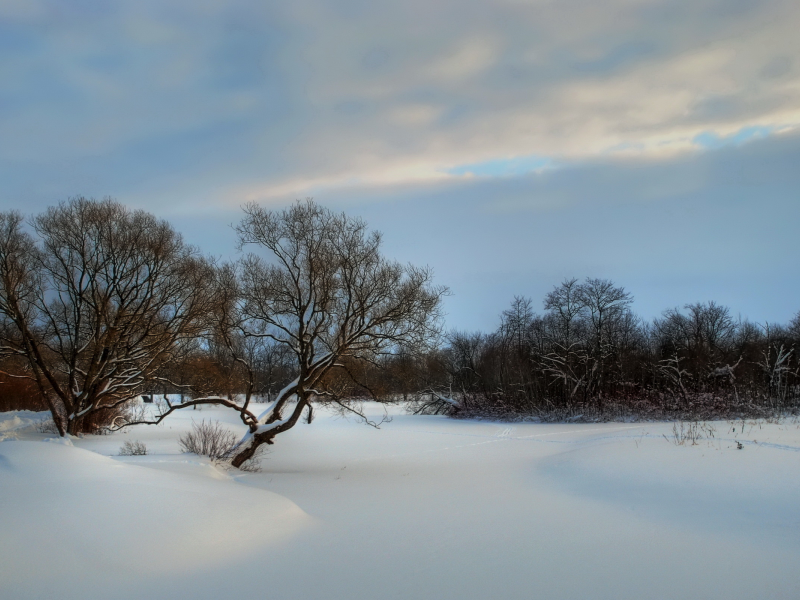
<point x="565" y="304"/>
<point x="705" y="326"/>
<point x="567" y="357"/>
<point x="95" y="299"/>
<point x="328" y="295"/>
<point x="709" y="325"/>
<point x="515" y="335"/>
<point x="325" y="293"/>
<point x="605" y="304"/>
<point x="461" y="363"/>
<point x="774" y="362"/>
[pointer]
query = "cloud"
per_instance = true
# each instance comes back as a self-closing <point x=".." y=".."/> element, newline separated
<point x="222" y="102"/>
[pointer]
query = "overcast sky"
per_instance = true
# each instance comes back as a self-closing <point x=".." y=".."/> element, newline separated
<point x="507" y="144"/>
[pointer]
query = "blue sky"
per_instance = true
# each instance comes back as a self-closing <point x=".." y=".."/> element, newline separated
<point x="508" y="144"/>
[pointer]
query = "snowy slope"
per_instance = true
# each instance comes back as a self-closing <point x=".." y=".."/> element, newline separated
<point x="426" y="507"/>
<point x="73" y="516"/>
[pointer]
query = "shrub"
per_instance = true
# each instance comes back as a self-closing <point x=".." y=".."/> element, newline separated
<point x="688" y="434"/>
<point x="208" y="439"/>
<point x="136" y="448"/>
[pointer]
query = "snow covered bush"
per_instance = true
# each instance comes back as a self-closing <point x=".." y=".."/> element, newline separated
<point x="208" y="439"/>
<point x="136" y="448"/>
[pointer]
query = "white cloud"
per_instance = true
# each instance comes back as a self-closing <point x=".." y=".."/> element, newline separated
<point x="567" y="80"/>
<point x="323" y="93"/>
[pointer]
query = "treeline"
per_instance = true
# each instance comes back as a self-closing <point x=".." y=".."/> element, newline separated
<point x="588" y="355"/>
<point x="99" y="304"/>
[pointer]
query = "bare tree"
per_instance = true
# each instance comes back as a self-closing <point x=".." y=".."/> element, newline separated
<point x="605" y="304"/>
<point x="710" y="325"/>
<point x="567" y="359"/>
<point x="95" y="301"/>
<point x="461" y="363"/>
<point x="703" y="338"/>
<point x="228" y="335"/>
<point x="775" y="362"/>
<point x="516" y="321"/>
<point x="515" y="335"/>
<point x="326" y="294"/>
<point x="566" y="304"/>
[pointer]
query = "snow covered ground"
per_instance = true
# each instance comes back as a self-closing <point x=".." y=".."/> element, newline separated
<point x="426" y="507"/>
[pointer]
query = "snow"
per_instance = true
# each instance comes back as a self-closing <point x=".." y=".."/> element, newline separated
<point x="426" y="507"/>
<point x="64" y="441"/>
<point x="14" y="421"/>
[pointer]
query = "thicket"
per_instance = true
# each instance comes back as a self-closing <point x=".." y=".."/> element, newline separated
<point x="588" y="356"/>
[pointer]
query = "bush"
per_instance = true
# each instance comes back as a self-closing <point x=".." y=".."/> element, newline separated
<point x="208" y="439"/>
<point x="688" y="434"/>
<point x="136" y="448"/>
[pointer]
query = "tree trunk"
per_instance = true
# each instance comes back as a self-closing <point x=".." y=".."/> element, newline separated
<point x="266" y="437"/>
<point x="75" y="426"/>
<point x="250" y="451"/>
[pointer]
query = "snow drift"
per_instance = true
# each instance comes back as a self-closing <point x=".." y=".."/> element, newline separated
<point x="71" y="515"/>
<point x="427" y="508"/>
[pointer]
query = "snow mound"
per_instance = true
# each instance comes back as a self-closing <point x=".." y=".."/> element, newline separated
<point x="13" y="421"/>
<point x="66" y="510"/>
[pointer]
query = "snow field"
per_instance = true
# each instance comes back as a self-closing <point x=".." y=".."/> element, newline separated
<point x="425" y="507"/>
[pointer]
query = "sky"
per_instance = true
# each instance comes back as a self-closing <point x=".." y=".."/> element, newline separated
<point x="507" y="144"/>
